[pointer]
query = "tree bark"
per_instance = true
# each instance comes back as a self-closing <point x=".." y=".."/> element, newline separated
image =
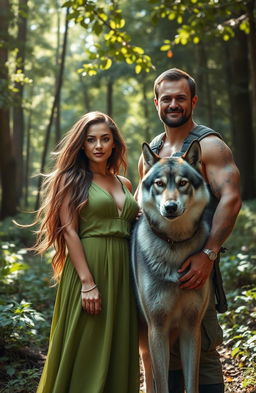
<point x="7" y="157"/>
<point x="55" y="101"/>
<point x="110" y="97"/>
<point x="146" y="112"/>
<point x="18" y="115"/>
<point x="241" y="113"/>
<point x="28" y="150"/>
<point x="57" y="112"/>
<point x="87" y="103"/>
<point x="204" y="84"/>
<point x="252" y="53"/>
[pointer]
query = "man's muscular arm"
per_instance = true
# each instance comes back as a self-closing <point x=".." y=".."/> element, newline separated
<point x="223" y="177"/>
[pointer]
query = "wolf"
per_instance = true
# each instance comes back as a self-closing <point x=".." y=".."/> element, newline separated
<point x="173" y="197"/>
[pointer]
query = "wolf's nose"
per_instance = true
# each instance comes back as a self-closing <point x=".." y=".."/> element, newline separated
<point x="170" y="207"/>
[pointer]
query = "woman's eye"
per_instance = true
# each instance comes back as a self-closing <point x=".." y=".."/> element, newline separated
<point x="106" y="139"/>
<point x="90" y="140"/>
<point x="159" y="183"/>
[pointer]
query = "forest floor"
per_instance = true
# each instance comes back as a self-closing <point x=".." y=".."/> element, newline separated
<point x="233" y="374"/>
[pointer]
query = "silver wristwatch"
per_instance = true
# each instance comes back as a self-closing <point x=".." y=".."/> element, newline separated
<point x="210" y="253"/>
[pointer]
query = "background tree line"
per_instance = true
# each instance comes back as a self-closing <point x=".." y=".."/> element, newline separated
<point x="60" y="60"/>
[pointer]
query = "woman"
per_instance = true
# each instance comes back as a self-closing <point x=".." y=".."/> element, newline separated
<point x="88" y="210"/>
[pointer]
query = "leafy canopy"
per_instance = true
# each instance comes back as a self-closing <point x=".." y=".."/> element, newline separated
<point x="104" y="23"/>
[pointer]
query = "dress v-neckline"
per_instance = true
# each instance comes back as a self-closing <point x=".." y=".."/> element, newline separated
<point x="113" y="199"/>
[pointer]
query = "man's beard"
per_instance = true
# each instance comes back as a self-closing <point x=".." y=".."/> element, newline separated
<point x="175" y="123"/>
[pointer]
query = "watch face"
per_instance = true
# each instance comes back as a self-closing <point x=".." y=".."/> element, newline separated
<point x="212" y="255"/>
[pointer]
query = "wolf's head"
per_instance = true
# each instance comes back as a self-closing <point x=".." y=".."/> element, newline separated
<point x="173" y="189"/>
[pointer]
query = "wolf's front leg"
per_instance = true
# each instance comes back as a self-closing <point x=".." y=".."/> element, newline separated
<point x="160" y="357"/>
<point x="190" y="347"/>
<point x="146" y="359"/>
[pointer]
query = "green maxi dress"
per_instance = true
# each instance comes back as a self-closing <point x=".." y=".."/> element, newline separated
<point x="96" y="353"/>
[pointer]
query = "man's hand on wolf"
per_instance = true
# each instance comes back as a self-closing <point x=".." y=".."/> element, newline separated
<point x="200" y="268"/>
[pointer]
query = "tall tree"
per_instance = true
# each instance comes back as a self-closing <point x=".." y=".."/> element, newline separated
<point x="110" y="96"/>
<point x="18" y="115"/>
<point x="7" y="157"/>
<point x="57" y="111"/>
<point x="203" y="82"/>
<point x="241" y="113"/>
<point x="252" y="48"/>
<point x="55" y="101"/>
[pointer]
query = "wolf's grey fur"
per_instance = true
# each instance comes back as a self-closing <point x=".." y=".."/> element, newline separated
<point x="173" y="197"/>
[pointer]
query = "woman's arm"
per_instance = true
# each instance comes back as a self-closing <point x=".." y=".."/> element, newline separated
<point x="91" y="301"/>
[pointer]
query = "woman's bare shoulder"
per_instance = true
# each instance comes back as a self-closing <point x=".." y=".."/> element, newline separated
<point x="126" y="182"/>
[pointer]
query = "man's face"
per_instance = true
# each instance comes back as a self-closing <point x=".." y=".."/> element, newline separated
<point x="174" y="103"/>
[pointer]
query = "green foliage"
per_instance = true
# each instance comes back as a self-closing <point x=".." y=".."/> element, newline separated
<point x="11" y="265"/>
<point x="26" y="303"/>
<point x="110" y="42"/>
<point x="202" y="19"/>
<point x="23" y="381"/>
<point x="239" y="274"/>
<point x="18" y="323"/>
<point x="240" y="331"/>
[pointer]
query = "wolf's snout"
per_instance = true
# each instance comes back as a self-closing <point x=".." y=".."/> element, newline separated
<point x="170" y="207"/>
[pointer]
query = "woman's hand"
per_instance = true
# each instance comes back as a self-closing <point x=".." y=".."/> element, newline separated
<point x="91" y="300"/>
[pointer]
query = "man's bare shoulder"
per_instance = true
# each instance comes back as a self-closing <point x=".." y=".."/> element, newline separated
<point x="214" y="148"/>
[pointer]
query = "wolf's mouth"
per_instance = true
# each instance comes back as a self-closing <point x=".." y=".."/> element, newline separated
<point x="171" y="216"/>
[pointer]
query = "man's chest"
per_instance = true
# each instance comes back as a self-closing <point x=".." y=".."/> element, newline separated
<point x="168" y="150"/>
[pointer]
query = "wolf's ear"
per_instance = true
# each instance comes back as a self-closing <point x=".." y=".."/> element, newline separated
<point x="193" y="155"/>
<point x="150" y="158"/>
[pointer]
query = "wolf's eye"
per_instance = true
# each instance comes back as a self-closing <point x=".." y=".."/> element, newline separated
<point x="159" y="183"/>
<point x="182" y="183"/>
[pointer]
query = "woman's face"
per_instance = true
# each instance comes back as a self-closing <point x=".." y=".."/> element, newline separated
<point x="99" y="143"/>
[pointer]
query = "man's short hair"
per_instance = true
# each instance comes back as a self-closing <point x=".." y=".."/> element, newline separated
<point x="174" y="74"/>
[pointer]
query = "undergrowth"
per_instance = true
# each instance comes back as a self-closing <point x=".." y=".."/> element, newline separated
<point x="27" y="299"/>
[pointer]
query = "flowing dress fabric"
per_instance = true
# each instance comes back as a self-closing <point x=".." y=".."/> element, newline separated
<point x="96" y="353"/>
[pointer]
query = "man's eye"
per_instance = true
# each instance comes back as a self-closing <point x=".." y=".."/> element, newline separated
<point x="159" y="183"/>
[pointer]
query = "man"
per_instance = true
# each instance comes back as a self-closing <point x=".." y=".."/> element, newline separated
<point x="175" y="100"/>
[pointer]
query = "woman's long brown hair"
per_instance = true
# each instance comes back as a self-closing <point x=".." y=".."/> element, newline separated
<point x="71" y="175"/>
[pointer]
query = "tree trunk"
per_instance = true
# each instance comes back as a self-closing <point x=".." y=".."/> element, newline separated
<point x="28" y="147"/>
<point x="204" y="89"/>
<point x="7" y="157"/>
<point x="7" y="166"/>
<point x="18" y="116"/>
<point x="55" y="101"/>
<point x="241" y="113"/>
<point x="57" y="113"/>
<point x="87" y="103"/>
<point x="146" y="113"/>
<point x="110" y="97"/>
<point x="252" y="54"/>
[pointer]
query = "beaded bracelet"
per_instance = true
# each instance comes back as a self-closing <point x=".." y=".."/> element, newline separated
<point x="88" y="290"/>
